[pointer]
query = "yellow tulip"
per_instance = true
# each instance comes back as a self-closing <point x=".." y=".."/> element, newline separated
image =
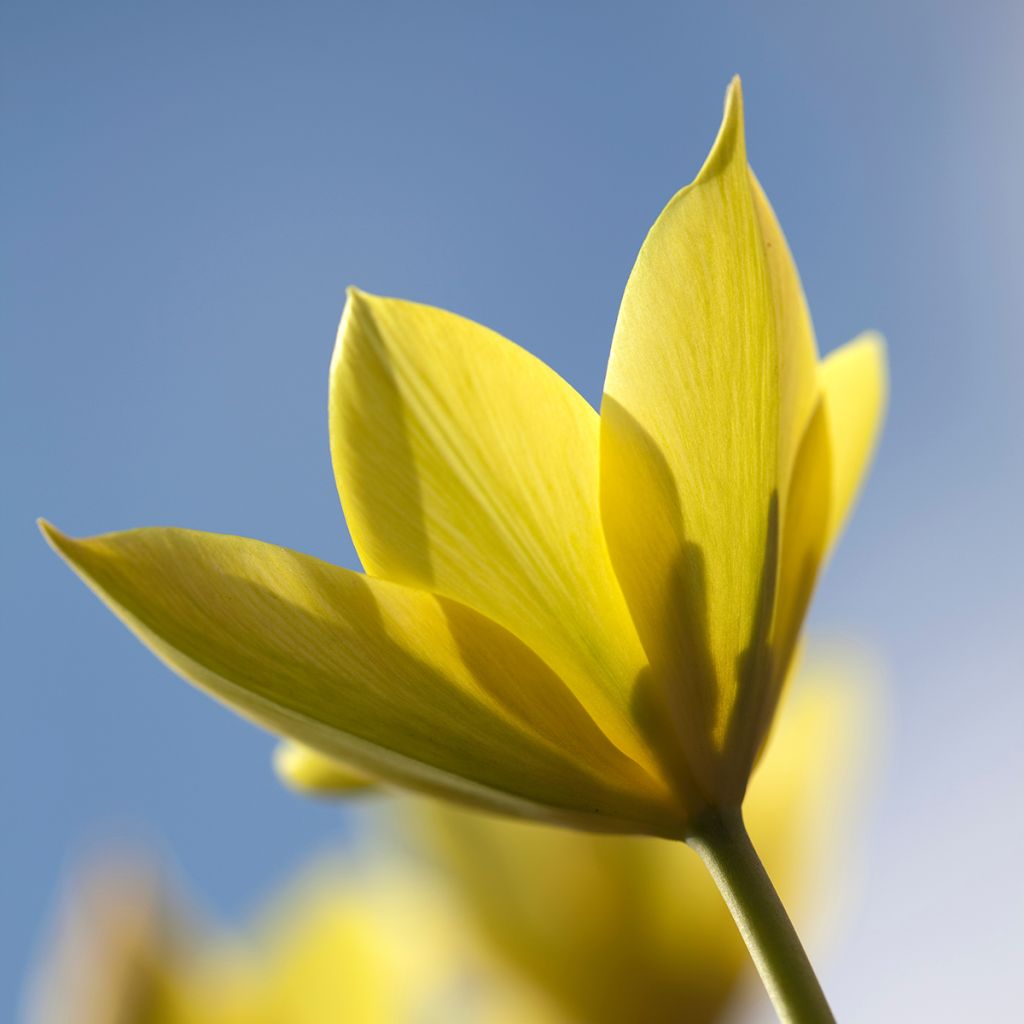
<point x="580" y="618"/>
<point x="566" y="616"/>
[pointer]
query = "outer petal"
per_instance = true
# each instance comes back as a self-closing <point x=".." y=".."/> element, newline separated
<point x="833" y="456"/>
<point x="804" y="542"/>
<point x="398" y="682"/>
<point x="855" y="385"/>
<point x="690" y="458"/>
<point x="468" y="467"/>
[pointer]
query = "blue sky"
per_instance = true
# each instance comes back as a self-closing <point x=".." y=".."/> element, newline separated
<point x="186" y="191"/>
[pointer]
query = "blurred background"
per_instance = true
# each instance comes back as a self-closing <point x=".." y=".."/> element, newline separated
<point x="186" y="191"/>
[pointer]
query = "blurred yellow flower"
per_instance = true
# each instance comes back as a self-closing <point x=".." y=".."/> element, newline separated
<point x="359" y="940"/>
<point x="568" y="617"/>
<point x="501" y="922"/>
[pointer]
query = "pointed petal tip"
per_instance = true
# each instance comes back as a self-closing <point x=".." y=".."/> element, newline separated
<point x="732" y="118"/>
<point x="354" y="295"/>
<point x="730" y="142"/>
<point x="358" y="300"/>
<point x="357" y="303"/>
<point x="54" y="537"/>
<point x="354" y="298"/>
<point x="361" y="304"/>
<point x="360" y="297"/>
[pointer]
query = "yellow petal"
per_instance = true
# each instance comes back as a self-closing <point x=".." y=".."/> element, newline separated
<point x="798" y="351"/>
<point x="468" y="467"/>
<point x="855" y="383"/>
<point x="803" y="546"/>
<point x="400" y="683"/>
<point x="309" y="772"/>
<point x="805" y="533"/>
<point x="831" y="462"/>
<point x="689" y="457"/>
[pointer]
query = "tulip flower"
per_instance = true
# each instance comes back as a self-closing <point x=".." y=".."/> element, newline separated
<point x="579" y="618"/>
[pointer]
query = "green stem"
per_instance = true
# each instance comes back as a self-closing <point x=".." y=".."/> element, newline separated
<point x="721" y="839"/>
